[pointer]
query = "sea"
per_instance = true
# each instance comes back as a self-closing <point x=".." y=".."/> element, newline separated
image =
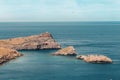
<point x="87" y="38"/>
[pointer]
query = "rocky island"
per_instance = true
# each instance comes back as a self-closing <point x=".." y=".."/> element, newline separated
<point x="8" y="47"/>
<point x="94" y="58"/>
<point x="34" y="42"/>
<point x="68" y="51"/>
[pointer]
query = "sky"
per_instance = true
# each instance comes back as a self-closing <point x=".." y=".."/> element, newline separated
<point x="59" y="10"/>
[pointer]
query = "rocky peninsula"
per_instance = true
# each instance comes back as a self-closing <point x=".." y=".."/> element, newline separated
<point x="95" y="58"/>
<point x="68" y="51"/>
<point x="34" y="42"/>
<point x="8" y="47"/>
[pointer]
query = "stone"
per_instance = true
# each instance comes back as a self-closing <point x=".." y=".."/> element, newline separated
<point x="7" y="54"/>
<point x="34" y="42"/>
<point x="94" y="58"/>
<point x="68" y="51"/>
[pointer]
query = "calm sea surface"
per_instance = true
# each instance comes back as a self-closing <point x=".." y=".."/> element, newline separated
<point x="86" y="37"/>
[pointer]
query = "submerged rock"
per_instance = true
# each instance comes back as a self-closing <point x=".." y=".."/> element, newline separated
<point x="42" y="41"/>
<point x="95" y="58"/>
<point x="7" y="54"/>
<point x="68" y="51"/>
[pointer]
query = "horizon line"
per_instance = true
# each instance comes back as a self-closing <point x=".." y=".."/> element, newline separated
<point x="55" y="21"/>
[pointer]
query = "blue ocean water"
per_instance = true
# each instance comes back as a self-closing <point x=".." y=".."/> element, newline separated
<point x="86" y="37"/>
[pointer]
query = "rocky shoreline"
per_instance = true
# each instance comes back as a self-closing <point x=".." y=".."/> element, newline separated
<point x="34" y="42"/>
<point x="7" y="54"/>
<point x="8" y="47"/>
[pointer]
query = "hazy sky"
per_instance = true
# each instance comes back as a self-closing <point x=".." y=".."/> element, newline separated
<point x="59" y="10"/>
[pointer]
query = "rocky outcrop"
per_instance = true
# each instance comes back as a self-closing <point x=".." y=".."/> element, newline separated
<point x="8" y="47"/>
<point x="68" y="51"/>
<point x="42" y="41"/>
<point x="7" y="54"/>
<point x="95" y="58"/>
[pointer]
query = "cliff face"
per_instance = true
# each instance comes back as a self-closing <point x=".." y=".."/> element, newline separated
<point x="7" y="54"/>
<point x="42" y="41"/>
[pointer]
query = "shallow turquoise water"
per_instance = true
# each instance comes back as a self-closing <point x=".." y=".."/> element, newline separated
<point x="86" y="37"/>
